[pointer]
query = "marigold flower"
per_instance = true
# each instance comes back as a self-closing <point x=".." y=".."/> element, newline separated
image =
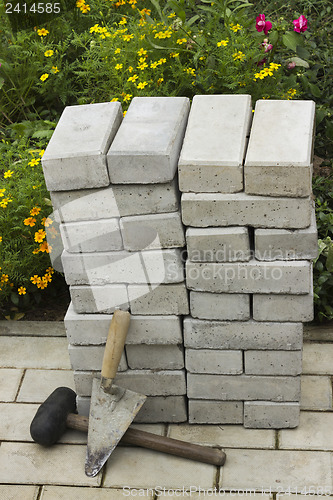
<point x="8" y="174"/>
<point x="127" y="97"/>
<point x="85" y="8"/>
<point x="22" y="290"/>
<point x="40" y="235"/>
<point x="42" y="32"/>
<point x="54" y="70"/>
<point x="159" y="81"/>
<point x="0" y="239"/>
<point x="300" y="24"/>
<point x="118" y="66"/>
<point x="132" y="78"/>
<point x="238" y="55"/>
<point x="45" y="247"/>
<point x="2" y="192"/>
<point x="142" y="66"/>
<point x="127" y="38"/>
<point x="222" y="43"/>
<point x="44" y="77"/>
<point x="142" y="52"/>
<point x="34" y="162"/>
<point x="180" y="41"/>
<point x="174" y="54"/>
<point x="123" y="21"/>
<point x="4" y="278"/>
<point x="117" y="51"/>
<point x="48" y="53"/>
<point x="30" y="221"/>
<point x="35" y="211"/>
<point x="34" y="279"/>
<point x="4" y="202"/>
<point x="141" y="85"/>
<point x="46" y="221"/>
<point x="262" y="24"/>
<point x="235" y="27"/>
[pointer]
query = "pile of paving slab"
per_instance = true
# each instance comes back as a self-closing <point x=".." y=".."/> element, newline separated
<point x="199" y="219"/>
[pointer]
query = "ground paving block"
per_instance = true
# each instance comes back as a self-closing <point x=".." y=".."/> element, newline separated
<point x="228" y="436"/>
<point x="250" y="277"/>
<point x="10" y="379"/>
<point x="148" y="382"/>
<point x="218" y="244"/>
<point x="67" y="493"/>
<point x="15" y="421"/>
<point x="240" y="209"/>
<point x="214" y="361"/>
<point x="318" y="333"/>
<point x="155" y="357"/>
<point x="316" y="392"/>
<point x="122" y="469"/>
<point x="203" y="334"/>
<point x="141" y="232"/>
<point x="273" y="362"/>
<point x="164" y="299"/>
<point x="215" y="412"/>
<point x="213" y="151"/>
<point x="285" y="244"/>
<point x="267" y="165"/>
<point x="92" y="236"/>
<point x="283" y="307"/>
<point x="99" y="299"/>
<point x="317" y="359"/>
<point x="13" y="492"/>
<point x="33" y="328"/>
<point x="104" y="268"/>
<point x="220" y="306"/>
<point x="114" y="201"/>
<point x="212" y="492"/>
<point x="269" y="415"/>
<point x="76" y="154"/>
<point x="37" y="385"/>
<point x="276" y="470"/>
<point x="91" y="357"/>
<point x="147" y="145"/>
<point x="243" y="387"/>
<point x="313" y="433"/>
<point x="88" y="329"/>
<point x="34" y="352"/>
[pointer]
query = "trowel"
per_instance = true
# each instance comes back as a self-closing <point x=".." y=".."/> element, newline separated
<point x="112" y="408"/>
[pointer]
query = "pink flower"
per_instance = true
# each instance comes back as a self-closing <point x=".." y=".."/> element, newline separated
<point x="291" y="65"/>
<point x="300" y="24"/>
<point x="262" y="25"/>
<point x="267" y="46"/>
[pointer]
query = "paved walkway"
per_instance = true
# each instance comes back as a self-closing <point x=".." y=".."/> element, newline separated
<point x="34" y="361"/>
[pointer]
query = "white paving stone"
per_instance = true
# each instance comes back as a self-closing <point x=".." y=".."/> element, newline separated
<point x="30" y="463"/>
<point x="269" y="415"/>
<point x="240" y="209"/>
<point x="33" y="328"/>
<point x="215" y="412"/>
<point x="267" y="165"/>
<point x="220" y="306"/>
<point x="164" y="300"/>
<point x="274" y="307"/>
<point x="147" y="145"/>
<point x="276" y="470"/>
<point x="155" y="357"/>
<point x="15" y="421"/>
<point x="214" y="361"/>
<point x="145" y="469"/>
<point x="72" y="493"/>
<point x="313" y="433"/>
<point x="10" y="379"/>
<point x="92" y="236"/>
<point x="15" y="492"/>
<point x="99" y="299"/>
<point x="37" y="385"/>
<point x="213" y="150"/>
<point x="34" y="352"/>
<point x="76" y="154"/>
<point x="218" y="244"/>
<point x="317" y="359"/>
<point x="316" y="392"/>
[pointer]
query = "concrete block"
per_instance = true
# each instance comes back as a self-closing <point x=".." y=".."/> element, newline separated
<point x="152" y="231"/>
<point x="214" y="361"/>
<point x="250" y="277"/>
<point x="213" y="150"/>
<point x="282" y="165"/>
<point x="208" y="209"/>
<point x="99" y="299"/>
<point x="220" y="306"/>
<point x="148" y="382"/>
<point x="114" y="201"/>
<point x="75" y="157"/>
<point x="270" y="415"/>
<point x="243" y="387"/>
<point x="147" y="145"/>
<point x="220" y="244"/>
<point x="287" y="244"/>
<point x="92" y="236"/>
<point x="215" y="412"/>
<point x="283" y="307"/>
<point x="164" y="300"/>
<point x="201" y="334"/>
<point x="103" y="268"/>
<point x="273" y="362"/>
<point x="155" y="357"/>
<point x="91" y="358"/>
<point x="171" y="409"/>
<point x="84" y="329"/>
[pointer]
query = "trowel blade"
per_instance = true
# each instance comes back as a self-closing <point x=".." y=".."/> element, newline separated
<point x="110" y="416"/>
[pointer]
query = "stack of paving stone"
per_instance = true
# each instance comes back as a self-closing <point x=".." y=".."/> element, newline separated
<point x="114" y="191"/>
<point x="251" y="235"/>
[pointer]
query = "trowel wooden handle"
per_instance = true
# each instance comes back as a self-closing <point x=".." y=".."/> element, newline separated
<point x="115" y="343"/>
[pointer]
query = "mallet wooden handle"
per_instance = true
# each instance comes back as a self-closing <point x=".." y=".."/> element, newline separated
<point x="136" y="437"/>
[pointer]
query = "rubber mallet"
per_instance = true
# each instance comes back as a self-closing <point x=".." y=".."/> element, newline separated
<point x="58" y="412"/>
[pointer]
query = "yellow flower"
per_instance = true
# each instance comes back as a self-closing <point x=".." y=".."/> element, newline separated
<point x="4" y="278"/>
<point x="145" y="11"/>
<point x="2" y="192"/>
<point x="35" y="211"/>
<point x="34" y="279"/>
<point x="142" y="66"/>
<point x="115" y="99"/>
<point x="222" y="43"/>
<point x="42" y="32"/>
<point x="132" y="78"/>
<point x="117" y="51"/>
<point x="30" y="221"/>
<point x="124" y="113"/>
<point x="54" y="70"/>
<point x="8" y="174"/>
<point x="44" y="77"/>
<point x="154" y="65"/>
<point x="127" y="38"/>
<point x="118" y="66"/>
<point x="40" y="235"/>
<point x="123" y="21"/>
<point x="172" y="15"/>
<point x="127" y="97"/>
<point x="94" y="29"/>
<point x="235" y="27"/>
<point x="238" y="55"/>
<point x="46" y="221"/>
<point x="159" y="81"/>
<point x="4" y="202"/>
<point x="85" y="8"/>
<point x="50" y="270"/>
<point x="42" y="151"/>
<point x="48" y="53"/>
<point x="0" y="239"/>
<point x="190" y="71"/>
<point x="22" y="290"/>
<point x="161" y="61"/>
<point x="130" y="69"/>
<point x="141" y="85"/>
<point x="180" y="41"/>
<point x="47" y="277"/>
<point x="142" y="52"/>
<point x="174" y="54"/>
<point x="34" y="162"/>
<point x="45" y="247"/>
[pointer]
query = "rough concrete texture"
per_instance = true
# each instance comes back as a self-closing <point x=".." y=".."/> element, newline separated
<point x="218" y="244"/>
<point x="214" y="361"/>
<point x="283" y="307"/>
<point x="211" y="158"/>
<point x="164" y="299"/>
<point x="155" y="357"/>
<point x="147" y="145"/>
<point x="152" y="231"/>
<point x="76" y="154"/>
<point x="215" y="412"/>
<point x="91" y="358"/>
<point x="208" y="209"/>
<point x="220" y="306"/>
<point x="99" y="299"/>
<point x="92" y="236"/>
<point x="269" y="415"/>
<point x="273" y="362"/>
